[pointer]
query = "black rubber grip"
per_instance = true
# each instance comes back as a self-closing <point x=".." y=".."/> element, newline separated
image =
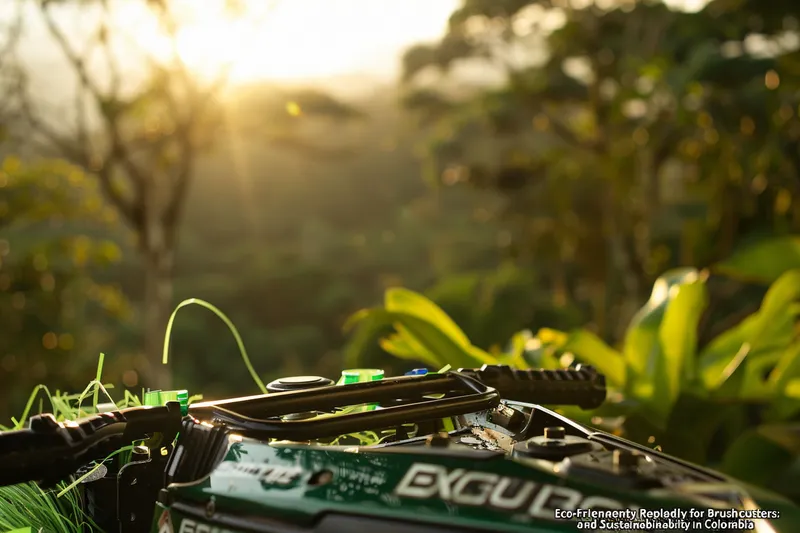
<point x="582" y="386"/>
<point x="49" y="451"/>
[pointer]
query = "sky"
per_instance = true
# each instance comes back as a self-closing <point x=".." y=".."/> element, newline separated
<point x="294" y="40"/>
<point x="282" y="40"/>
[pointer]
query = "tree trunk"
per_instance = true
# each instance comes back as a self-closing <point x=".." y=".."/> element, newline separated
<point x="158" y="268"/>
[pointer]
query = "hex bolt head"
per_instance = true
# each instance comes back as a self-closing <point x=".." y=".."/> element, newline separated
<point x="626" y="459"/>
<point x="555" y="433"/>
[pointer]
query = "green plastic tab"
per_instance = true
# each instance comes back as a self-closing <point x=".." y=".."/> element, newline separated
<point x="358" y="375"/>
<point x="152" y="398"/>
<point x="158" y="398"/>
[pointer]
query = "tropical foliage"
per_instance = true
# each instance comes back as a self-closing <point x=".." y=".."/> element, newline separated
<point x="736" y="395"/>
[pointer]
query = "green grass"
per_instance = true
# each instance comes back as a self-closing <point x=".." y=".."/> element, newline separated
<point x="59" y="510"/>
<point x="56" y="510"/>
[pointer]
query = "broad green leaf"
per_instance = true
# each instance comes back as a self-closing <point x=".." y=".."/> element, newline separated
<point x="358" y="318"/>
<point x="784" y="381"/>
<point x="413" y="304"/>
<point x="552" y="336"/>
<point x="418" y="332"/>
<point x="755" y="385"/>
<point x="488" y="359"/>
<point x="541" y="355"/>
<point x="786" y="369"/>
<point x="642" y="349"/>
<point x="717" y="354"/>
<point x="778" y="301"/>
<point x="678" y="336"/>
<point x="516" y="354"/>
<point x="793" y="389"/>
<point x="438" y="343"/>
<point x="591" y="350"/>
<point x="406" y="347"/>
<point x="517" y="343"/>
<point x="757" y="334"/>
<point x="764" y="261"/>
<point x="366" y="323"/>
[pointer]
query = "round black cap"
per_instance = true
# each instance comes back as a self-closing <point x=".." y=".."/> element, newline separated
<point x="298" y="383"/>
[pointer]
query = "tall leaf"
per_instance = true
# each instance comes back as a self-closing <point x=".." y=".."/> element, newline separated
<point x="781" y="382"/>
<point x="413" y="304"/>
<point x="366" y="324"/>
<point x="755" y="336"/>
<point x="419" y="335"/>
<point x="407" y="347"/>
<point x="678" y="337"/>
<point x="592" y="350"/>
<point x="643" y="350"/>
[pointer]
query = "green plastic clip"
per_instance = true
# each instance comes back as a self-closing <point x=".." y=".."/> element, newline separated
<point x="360" y="375"/>
<point x="158" y="398"/>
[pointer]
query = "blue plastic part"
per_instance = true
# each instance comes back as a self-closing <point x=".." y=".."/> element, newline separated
<point x="417" y="372"/>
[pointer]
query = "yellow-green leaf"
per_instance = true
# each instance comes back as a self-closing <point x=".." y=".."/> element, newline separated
<point x="755" y="386"/>
<point x="643" y="351"/>
<point x="786" y="369"/>
<point x="678" y="337"/>
<point x="592" y="350"/>
<point x="406" y="347"/>
<point x="419" y="334"/>
<point x="414" y="304"/>
<point x="756" y="336"/>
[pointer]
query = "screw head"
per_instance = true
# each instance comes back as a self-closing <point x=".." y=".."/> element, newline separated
<point x="440" y="440"/>
<point x="626" y="459"/>
<point x="555" y="433"/>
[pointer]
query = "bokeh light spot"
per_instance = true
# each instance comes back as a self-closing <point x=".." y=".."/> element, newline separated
<point x="130" y="378"/>
<point x="50" y="340"/>
<point x="66" y="341"/>
<point x="293" y="109"/>
<point x="772" y="80"/>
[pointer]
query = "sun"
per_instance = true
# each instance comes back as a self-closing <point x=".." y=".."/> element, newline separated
<point x="297" y="39"/>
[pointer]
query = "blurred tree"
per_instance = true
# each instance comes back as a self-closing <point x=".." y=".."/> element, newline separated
<point x="47" y="289"/>
<point x="626" y="139"/>
<point x="141" y="140"/>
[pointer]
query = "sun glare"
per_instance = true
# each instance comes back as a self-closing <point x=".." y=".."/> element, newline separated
<point x="298" y="39"/>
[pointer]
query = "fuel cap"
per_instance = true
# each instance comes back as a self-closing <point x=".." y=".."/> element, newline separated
<point x="298" y="383"/>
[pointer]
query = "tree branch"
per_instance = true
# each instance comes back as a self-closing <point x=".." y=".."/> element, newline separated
<point x="109" y="112"/>
<point x="76" y="61"/>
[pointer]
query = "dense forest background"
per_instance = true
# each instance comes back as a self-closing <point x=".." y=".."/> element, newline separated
<point x="540" y="166"/>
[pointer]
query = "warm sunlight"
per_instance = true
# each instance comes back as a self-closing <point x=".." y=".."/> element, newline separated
<point x="296" y="39"/>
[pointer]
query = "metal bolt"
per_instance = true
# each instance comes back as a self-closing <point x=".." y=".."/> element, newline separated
<point x="441" y="440"/>
<point x="625" y="459"/>
<point x="555" y="433"/>
<point x="140" y="453"/>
